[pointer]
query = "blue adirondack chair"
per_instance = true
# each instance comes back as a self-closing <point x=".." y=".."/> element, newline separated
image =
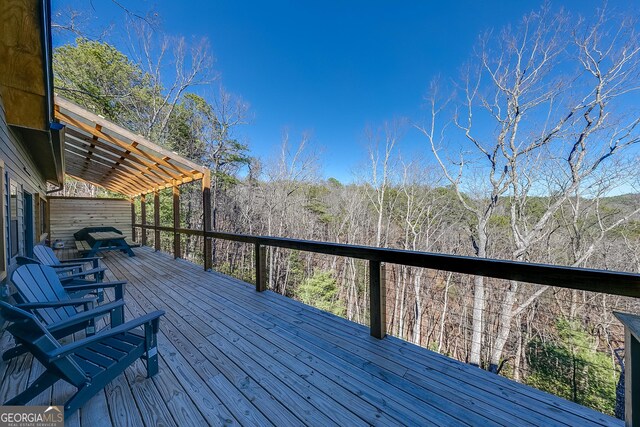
<point x="39" y="290"/>
<point x="73" y="276"/>
<point x="88" y="364"/>
<point x="46" y="256"/>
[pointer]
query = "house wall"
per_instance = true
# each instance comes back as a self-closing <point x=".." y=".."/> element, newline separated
<point x="69" y="214"/>
<point x="19" y="172"/>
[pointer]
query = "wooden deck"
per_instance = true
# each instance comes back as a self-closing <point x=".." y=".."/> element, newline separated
<point x="230" y="355"/>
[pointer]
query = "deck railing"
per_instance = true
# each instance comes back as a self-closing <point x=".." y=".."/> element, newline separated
<point x="583" y="279"/>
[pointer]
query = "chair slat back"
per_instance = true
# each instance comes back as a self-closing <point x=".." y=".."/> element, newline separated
<point x="30" y="331"/>
<point x="40" y="283"/>
<point x="45" y="255"/>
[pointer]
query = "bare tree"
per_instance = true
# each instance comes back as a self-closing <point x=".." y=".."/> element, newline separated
<point x="285" y="177"/>
<point x="382" y="152"/>
<point x="554" y="92"/>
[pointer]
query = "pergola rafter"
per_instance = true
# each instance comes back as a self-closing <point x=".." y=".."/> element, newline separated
<point x="102" y="153"/>
<point x="118" y="156"/>
<point x="99" y="171"/>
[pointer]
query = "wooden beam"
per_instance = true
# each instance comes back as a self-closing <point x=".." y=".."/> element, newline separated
<point x="92" y="147"/>
<point x="162" y="187"/>
<point x="156" y="218"/>
<point x="176" y="221"/>
<point x="377" y="300"/>
<point x="143" y="214"/>
<point x="206" y="219"/>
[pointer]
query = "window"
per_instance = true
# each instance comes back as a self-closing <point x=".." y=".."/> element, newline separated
<point x="13" y="219"/>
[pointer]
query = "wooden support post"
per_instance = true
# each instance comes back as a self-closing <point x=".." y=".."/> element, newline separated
<point x="133" y="219"/>
<point x="143" y="213"/>
<point x="377" y="300"/>
<point x="631" y="324"/>
<point x="176" y="220"/>
<point x="261" y="267"/>
<point x="156" y="219"/>
<point x="206" y="220"/>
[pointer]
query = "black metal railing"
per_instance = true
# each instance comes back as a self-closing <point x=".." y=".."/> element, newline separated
<point x="572" y="278"/>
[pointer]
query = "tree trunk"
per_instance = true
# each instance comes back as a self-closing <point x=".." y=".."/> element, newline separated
<point x="479" y="301"/>
<point x="477" y="323"/>
<point x="444" y="311"/>
<point x="504" y="328"/>
<point x="417" y="329"/>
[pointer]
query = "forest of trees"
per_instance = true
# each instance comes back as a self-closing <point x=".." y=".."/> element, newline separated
<point x="549" y="129"/>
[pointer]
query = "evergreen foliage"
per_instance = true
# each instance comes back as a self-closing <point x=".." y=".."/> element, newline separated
<point x="569" y="365"/>
<point x="321" y="291"/>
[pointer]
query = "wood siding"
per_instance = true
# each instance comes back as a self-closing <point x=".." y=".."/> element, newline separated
<point x="70" y="214"/>
<point x="21" y="171"/>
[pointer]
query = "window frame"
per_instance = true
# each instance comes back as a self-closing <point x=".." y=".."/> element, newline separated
<point x="42" y="215"/>
<point x="3" y="226"/>
<point x="11" y="186"/>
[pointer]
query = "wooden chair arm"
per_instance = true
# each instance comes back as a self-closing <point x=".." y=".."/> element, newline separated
<point x="57" y="304"/>
<point x="94" y="260"/>
<point x="86" y="316"/>
<point x="81" y="260"/>
<point x="83" y="274"/>
<point x="118" y="286"/>
<point x="23" y="260"/>
<point x="68" y="265"/>
<point x="63" y="269"/>
<point x="83" y="343"/>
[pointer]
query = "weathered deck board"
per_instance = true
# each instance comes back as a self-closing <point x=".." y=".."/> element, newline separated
<point x="230" y="355"/>
<point x="266" y="366"/>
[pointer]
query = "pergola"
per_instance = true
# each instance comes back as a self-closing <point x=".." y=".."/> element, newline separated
<point x="102" y="153"/>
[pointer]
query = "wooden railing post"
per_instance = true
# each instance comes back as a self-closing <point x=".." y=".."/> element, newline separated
<point x="631" y="324"/>
<point x="143" y="213"/>
<point x="156" y="219"/>
<point x="261" y="267"/>
<point x="206" y="220"/>
<point x="176" y="220"/>
<point x="377" y="300"/>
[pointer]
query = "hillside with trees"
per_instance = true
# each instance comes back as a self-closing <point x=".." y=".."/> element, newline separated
<point x="545" y="113"/>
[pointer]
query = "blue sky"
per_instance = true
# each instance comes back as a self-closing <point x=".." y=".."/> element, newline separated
<point x="330" y="67"/>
